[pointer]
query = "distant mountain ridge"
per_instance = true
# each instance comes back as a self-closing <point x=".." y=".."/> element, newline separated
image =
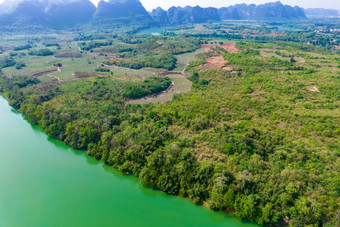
<point x="319" y="12"/>
<point x="188" y="14"/>
<point x="125" y="12"/>
<point x="67" y="13"/>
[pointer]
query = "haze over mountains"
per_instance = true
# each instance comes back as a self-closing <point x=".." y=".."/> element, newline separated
<point x="68" y="13"/>
<point x="268" y="11"/>
<point x="49" y="13"/>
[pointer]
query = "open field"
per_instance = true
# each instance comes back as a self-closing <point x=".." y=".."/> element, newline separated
<point x="185" y="59"/>
<point x="180" y="85"/>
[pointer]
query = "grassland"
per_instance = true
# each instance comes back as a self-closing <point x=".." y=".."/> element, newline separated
<point x="184" y="59"/>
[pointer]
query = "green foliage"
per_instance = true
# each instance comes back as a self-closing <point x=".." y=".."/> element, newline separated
<point x="23" y="47"/>
<point x="20" y="65"/>
<point x="244" y="45"/>
<point x="165" y="61"/>
<point x="246" y="89"/>
<point x="6" y="62"/>
<point x="51" y="45"/>
<point x="102" y="69"/>
<point x="255" y="143"/>
<point x="148" y="87"/>
<point x="94" y="44"/>
<point x="41" y="52"/>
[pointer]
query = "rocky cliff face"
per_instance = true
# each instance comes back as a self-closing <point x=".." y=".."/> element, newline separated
<point x="179" y="15"/>
<point x="69" y="14"/>
<point x="127" y="12"/>
<point x="188" y="14"/>
<point x="160" y="16"/>
<point x="269" y="11"/>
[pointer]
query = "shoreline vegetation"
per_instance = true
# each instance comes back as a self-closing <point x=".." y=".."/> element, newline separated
<point x="239" y="131"/>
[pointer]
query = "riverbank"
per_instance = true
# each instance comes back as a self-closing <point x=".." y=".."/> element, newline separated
<point x="46" y="183"/>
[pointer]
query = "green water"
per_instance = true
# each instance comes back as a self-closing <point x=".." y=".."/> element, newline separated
<point x="45" y="183"/>
<point x="152" y="31"/>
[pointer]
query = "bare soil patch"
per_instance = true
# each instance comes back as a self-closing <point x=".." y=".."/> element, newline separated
<point x="199" y="28"/>
<point x="230" y="47"/>
<point x="228" y="68"/>
<point x="46" y="73"/>
<point x="215" y="62"/>
<point x="312" y="89"/>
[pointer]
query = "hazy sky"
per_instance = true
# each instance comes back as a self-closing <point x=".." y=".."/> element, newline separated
<point x="165" y="4"/>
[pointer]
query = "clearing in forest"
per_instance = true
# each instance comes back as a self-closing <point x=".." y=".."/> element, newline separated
<point x="230" y="47"/>
<point x="184" y="59"/>
<point x="215" y="62"/>
<point x="180" y="84"/>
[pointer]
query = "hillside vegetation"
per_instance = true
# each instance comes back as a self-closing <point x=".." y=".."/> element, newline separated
<point x="252" y="140"/>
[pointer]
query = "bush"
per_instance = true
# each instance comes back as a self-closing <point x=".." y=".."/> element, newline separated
<point x="23" y="47"/>
<point x="41" y="52"/>
<point x="20" y="65"/>
<point x="101" y="69"/>
<point x="6" y="62"/>
<point x="246" y="90"/>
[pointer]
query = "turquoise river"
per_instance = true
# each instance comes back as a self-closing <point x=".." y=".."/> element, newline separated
<point x="45" y="183"/>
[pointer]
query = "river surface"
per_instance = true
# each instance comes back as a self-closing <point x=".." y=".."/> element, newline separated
<point x="45" y="183"/>
<point x="152" y="31"/>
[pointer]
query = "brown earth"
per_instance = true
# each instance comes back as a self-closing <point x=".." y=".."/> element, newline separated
<point x="312" y="89"/>
<point x="199" y="28"/>
<point x="46" y="73"/>
<point x="228" y="68"/>
<point x="218" y="62"/>
<point x="215" y="62"/>
<point x="230" y="47"/>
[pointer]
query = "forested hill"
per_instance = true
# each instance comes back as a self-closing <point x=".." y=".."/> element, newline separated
<point x="126" y="12"/>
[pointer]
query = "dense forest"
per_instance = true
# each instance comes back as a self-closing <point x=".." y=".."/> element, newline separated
<point x="254" y="142"/>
